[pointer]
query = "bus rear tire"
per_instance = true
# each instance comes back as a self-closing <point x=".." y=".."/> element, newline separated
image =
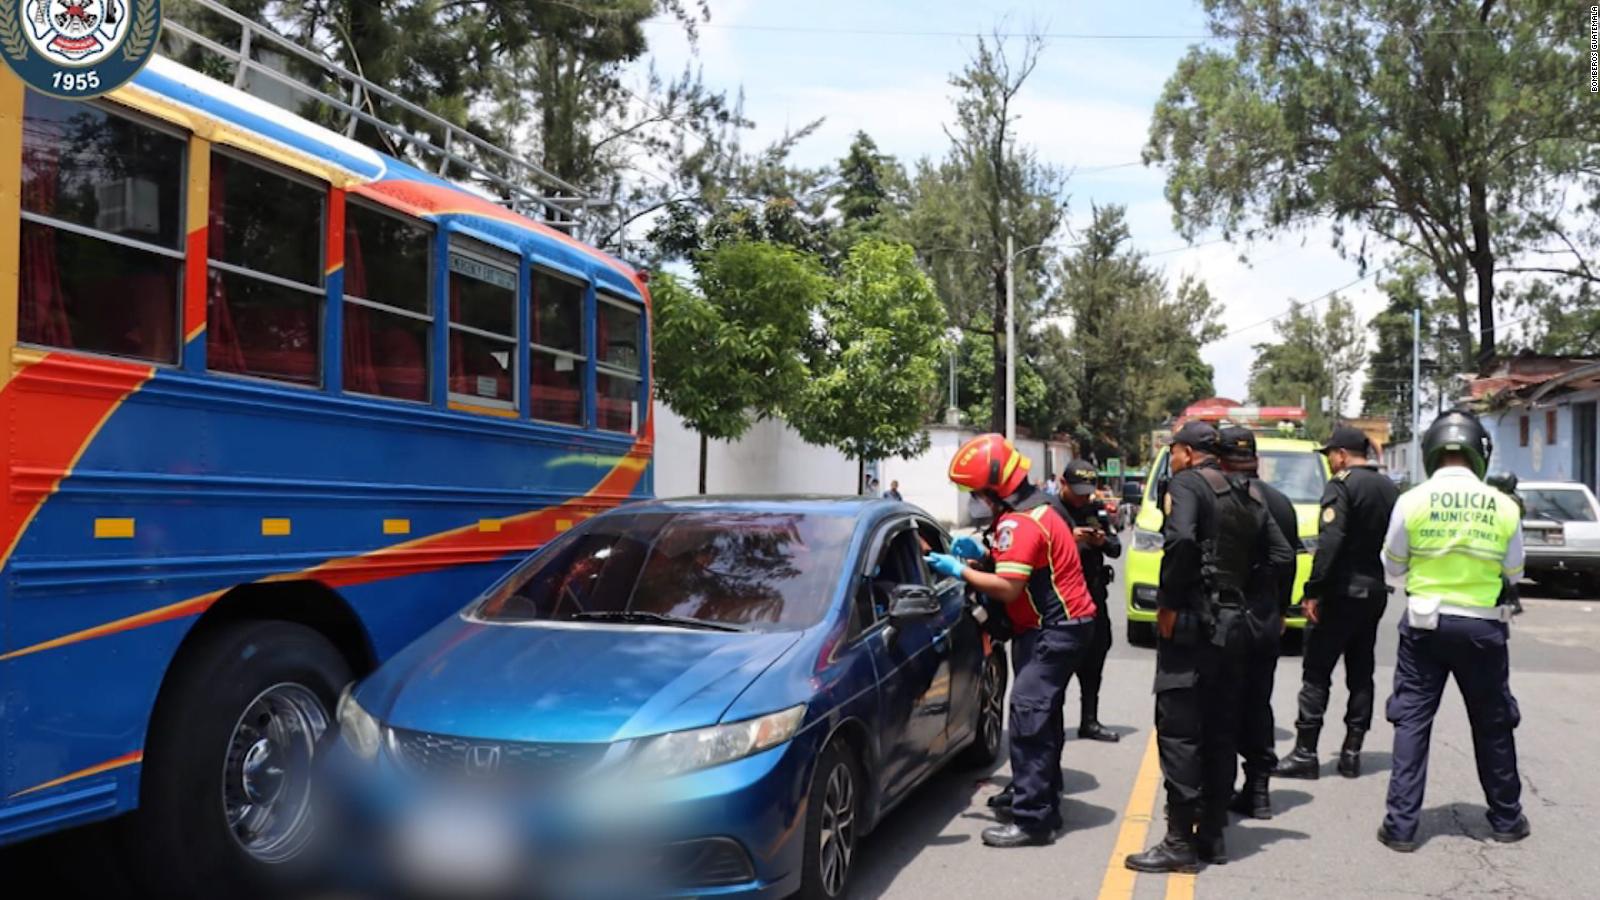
<point x="225" y="791"/>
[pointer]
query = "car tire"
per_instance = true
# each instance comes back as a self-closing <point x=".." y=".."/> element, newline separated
<point x="213" y="771"/>
<point x="833" y="825"/>
<point x="990" y="727"/>
<point x="1141" y="634"/>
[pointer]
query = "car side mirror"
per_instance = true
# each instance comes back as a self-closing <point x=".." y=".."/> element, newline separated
<point x="910" y="602"/>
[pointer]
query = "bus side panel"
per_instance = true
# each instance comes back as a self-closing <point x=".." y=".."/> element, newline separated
<point x="195" y="485"/>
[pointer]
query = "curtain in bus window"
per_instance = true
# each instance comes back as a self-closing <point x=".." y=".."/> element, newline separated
<point x="223" y="353"/>
<point x="558" y="355"/>
<point x="360" y="374"/>
<point x="42" y="318"/>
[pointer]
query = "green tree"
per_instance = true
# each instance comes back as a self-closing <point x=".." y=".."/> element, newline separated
<point x="878" y="358"/>
<point x="975" y="365"/>
<point x="1388" y="387"/>
<point x="1138" y="343"/>
<point x="987" y="188"/>
<point x="733" y="351"/>
<point x="1313" y="360"/>
<point x="870" y="194"/>
<point x="1449" y="129"/>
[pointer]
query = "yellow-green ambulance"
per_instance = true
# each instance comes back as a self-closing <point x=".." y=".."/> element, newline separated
<point x="1292" y="466"/>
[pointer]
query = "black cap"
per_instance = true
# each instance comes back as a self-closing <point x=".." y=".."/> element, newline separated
<point x="1080" y="475"/>
<point x="1237" y="442"/>
<point x="1347" y="437"/>
<point x="1198" y="436"/>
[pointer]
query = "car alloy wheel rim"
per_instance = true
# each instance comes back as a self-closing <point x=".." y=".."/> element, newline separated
<point x="266" y="776"/>
<point x="992" y="714"/>
<point x="838" y="839"/>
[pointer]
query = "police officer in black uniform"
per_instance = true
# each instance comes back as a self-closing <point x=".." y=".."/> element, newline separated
<point x="1097" y="541"/>
<point x="1344" y="599"/>
<point x="1260" y="665"/>
<point x="1218" y="541"/>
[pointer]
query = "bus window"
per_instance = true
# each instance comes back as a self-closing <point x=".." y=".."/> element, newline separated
<point x="387" y="323"/>
<point x="102" y="237"/>
<point x="264" y="309"/>
<point x="558" y="358"/>
<point x="483" y="326"/>
<point x="620" y="353"/>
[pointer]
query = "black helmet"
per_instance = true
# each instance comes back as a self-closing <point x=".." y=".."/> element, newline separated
<point x="1457" y="431"/>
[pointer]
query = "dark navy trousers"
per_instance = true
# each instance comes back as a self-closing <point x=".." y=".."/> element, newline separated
<point x="1045" y="659"/>
<point x="1473" y="651"/>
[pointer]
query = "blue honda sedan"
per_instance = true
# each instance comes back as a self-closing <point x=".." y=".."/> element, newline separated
<point x="711" y="697"/>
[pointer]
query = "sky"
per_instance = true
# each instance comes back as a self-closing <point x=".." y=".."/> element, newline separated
<point x="882" y="66"/>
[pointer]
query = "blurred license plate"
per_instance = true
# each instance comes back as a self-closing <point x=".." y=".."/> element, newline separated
<point x="466" y="847"/>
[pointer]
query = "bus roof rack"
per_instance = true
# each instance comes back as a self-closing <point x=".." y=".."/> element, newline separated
<point x="523" y="186"/>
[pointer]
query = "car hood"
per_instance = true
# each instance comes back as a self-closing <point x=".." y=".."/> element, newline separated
<point x="554" y="683"/>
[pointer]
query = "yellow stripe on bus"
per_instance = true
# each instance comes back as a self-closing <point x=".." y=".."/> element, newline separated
<point x="11" y="96"/>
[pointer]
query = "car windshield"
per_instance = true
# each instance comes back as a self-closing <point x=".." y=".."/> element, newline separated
<point x="1557" y="504"/>
<point x="751" y="570"/>
<point x="1298" y="474"/>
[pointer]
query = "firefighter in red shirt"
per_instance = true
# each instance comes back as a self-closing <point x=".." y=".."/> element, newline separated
<point x="1039" y="578"/>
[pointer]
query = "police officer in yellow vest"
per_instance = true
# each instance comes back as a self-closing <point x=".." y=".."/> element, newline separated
<point x="1452" y="538"/>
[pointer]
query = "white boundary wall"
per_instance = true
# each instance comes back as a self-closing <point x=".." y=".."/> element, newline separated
<point x="772" y="459"/>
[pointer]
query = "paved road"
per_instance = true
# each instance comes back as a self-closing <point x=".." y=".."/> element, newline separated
<point x="1321" y="844"/>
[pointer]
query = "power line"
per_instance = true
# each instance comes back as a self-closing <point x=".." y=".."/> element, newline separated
<point x="1307" y="305"/>
<point x="1047" y="35"/>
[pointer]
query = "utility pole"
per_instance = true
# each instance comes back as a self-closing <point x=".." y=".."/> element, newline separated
<point x="1416" y="396"/>
<point x="1011" y="342"/>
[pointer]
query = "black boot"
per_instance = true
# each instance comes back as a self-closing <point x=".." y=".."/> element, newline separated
<point x="1175" y="853"/>
<point x="1004" y="798"/>
<point x="1014" y="835"/>
<point x="1209" y="844"/>
<point x="1089" y="727"/>
<point x="1302" y="763"/>
<point x="1350" y="756"/>
<point x="1254" y="801"/>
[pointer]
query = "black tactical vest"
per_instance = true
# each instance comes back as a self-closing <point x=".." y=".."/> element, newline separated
<point x="1228" y="555"/>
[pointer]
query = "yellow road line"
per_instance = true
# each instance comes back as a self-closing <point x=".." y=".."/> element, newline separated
<point x="1180" y="886"/>
<point x="1119" y="879"/>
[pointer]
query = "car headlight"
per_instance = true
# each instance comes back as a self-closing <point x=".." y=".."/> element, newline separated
<point x="1148" y="541"/>
<point x="359" y="729"/>
<point x="685" y="751"/>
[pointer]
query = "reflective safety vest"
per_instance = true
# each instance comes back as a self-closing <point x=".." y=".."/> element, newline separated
<point x="1459" y="531"/>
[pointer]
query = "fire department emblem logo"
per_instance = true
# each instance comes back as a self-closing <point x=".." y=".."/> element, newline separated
<point x="78" y="48"/>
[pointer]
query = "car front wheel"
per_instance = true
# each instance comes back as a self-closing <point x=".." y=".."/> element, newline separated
<point x="832" y="825"/>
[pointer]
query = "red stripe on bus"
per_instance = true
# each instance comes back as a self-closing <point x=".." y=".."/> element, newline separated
<point x="129" y="759"/>
<point x="67" y="420"/>
<point x="194" y="286"/>
<point x="335" y="256"/>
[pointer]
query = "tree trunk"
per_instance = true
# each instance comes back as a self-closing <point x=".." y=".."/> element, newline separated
<point x="1482" y="269"/>
<point x="702" y="463"/>
<point x="861" y="476"/>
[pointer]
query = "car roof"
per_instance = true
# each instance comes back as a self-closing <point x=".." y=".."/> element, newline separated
<point x="1552" y="485"/>
<point x="814" y="504"/>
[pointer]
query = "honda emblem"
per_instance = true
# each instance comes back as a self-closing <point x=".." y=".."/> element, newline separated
<point x="483" y="759"/>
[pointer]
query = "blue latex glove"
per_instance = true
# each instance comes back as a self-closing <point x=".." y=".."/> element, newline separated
<point x="945" y="564"/>
<point x="966" y="548"/>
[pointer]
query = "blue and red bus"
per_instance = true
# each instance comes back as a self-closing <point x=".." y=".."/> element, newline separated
<point x="274" y="405"/>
